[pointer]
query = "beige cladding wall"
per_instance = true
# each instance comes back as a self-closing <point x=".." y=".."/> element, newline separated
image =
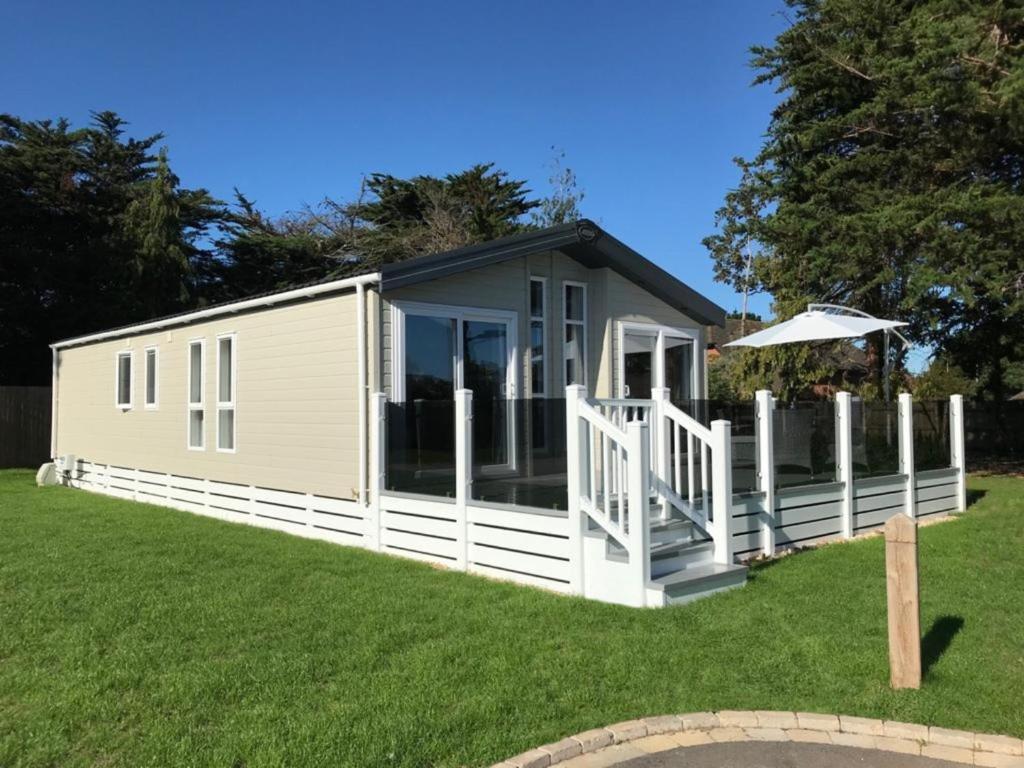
<point x="297" y="400"/>
<point x="610" y="298"/>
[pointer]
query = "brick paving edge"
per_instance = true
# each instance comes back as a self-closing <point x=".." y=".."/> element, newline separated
<point x="657" y="734"/>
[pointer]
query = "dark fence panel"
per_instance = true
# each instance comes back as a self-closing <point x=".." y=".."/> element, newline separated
<point x="994" y="431"/>
<point x="24" y="426"/>
<point x="931" y="434"/>
<point x="421" y="447"/>
<point x="875" y="439"/>
<point x="805" y="443"/>
<point x="533" y="472"/>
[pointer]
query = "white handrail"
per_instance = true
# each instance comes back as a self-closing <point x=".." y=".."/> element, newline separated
<point x="687" y="422"/>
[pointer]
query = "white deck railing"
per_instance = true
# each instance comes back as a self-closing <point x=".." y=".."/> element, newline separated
<point x="621" y="453"/>
<point x="623" y="457"/>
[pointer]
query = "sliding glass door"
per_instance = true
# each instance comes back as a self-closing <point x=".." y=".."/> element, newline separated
<point x="638" y="363"/>
<point x="441" y="349"/>
<point x="654" y="356"/>
<point x="485" y="370"/>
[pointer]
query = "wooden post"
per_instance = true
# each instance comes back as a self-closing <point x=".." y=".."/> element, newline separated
<point x="638" y="449"/>
<point x="906" y="443"/>
<point x="958" y="458"/>
<point x="721" y="490"/>
<point x="765" y="407"/>
<point x="378" y="462"/>
<point x="844" y="459"/>
<point x="574" y="395"/>
<point x="463" y="471"/>
<point x="904" y="602"/>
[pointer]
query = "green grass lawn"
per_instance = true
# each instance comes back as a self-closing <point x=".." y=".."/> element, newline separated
<point x="132" y="635"/>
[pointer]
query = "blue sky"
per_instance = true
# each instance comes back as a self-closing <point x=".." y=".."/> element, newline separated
<point x="294" y="101"/>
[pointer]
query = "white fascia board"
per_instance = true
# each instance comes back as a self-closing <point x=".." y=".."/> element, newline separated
<point x="225" y="309"/>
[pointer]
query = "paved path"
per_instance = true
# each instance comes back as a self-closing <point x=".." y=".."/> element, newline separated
<point x="753" y="754"/>
<point x="762" y="739"/>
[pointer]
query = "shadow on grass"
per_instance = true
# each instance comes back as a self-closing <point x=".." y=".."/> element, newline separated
<point x="974" y="495"/>
<point x="937" y="640"/>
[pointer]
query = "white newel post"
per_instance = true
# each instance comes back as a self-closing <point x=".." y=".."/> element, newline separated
<point x="660" y="437"/>
<point x="906" y="444"/>
<point x="721" y="490"/>
<point x="638" y="469"/>
<point x="958" y="455"/>
<point x="574" y="394"/>
<point x="463" y="471"/>
<point x="844" y="459"/>
<point x="765" y="406"/>
<point x="378" y="462"/>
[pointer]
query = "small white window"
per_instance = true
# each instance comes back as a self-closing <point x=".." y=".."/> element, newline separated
<point x="152" y="380"/>
<point x="226" y="375"/>
<point x="574" y="316"/>
<point x="123" y="386"/>
<point x="196" y="386"/>
<point x="538" y="337"/>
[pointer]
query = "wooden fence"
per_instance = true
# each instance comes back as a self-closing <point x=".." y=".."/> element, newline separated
<point x="24" y="426"/>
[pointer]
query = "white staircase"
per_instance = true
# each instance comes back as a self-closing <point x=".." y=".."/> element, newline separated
<point x="643" y="488"/>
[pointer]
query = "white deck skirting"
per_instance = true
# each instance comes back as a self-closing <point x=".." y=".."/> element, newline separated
<point x="528" y="548"/>
<point x="812" y="514"/>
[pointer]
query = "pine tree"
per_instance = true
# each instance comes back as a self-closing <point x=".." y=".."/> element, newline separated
<point x="890" y="177"/>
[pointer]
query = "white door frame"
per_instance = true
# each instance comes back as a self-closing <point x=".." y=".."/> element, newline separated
<point x="510" y="318"/>
<point x="660" y="333"/>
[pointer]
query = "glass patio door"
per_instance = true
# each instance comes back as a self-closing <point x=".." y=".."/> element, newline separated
<point x="446" y="349"/>
<point x="679" y="370"/>
<point x="638" y="363"/>
<point x="485" y="370"/>
<point x="653" y="356"/>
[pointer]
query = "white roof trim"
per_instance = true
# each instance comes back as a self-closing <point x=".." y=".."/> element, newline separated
<point x="224" y="309"/>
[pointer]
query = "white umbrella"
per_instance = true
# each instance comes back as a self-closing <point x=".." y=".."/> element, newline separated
<point x="822" y="322"/>
<point x="815" y="325"/>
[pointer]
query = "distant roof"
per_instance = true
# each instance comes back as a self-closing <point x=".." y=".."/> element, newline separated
<point x="732" y="329"/>
<point x="581" y="240"/>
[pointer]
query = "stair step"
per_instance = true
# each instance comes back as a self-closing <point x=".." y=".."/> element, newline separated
<point x="671" y="547"/>
<point x="692" y="583"/>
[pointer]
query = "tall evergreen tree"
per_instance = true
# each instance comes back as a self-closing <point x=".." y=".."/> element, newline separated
<point x="427" y="214"/>
<point x="890" y="177"/>
<point x="94" y="233"/>
<point x="392" y="220"/>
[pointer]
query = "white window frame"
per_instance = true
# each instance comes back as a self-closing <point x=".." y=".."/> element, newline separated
<point x="659" y="332"/>
<point x="542" y="319"/>
<point x="228" y="405"/>
<point x="586" y="336"/>
<point x="189" y="405"/>
<point x="130" y="354"/>
<point x="399" y="309"/>
<point x="156" y="378"/>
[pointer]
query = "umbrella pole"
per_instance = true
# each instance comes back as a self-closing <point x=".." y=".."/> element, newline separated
<point x="885" y="367"/>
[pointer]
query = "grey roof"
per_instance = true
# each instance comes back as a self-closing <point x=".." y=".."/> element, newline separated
<point x="581" y="240"/>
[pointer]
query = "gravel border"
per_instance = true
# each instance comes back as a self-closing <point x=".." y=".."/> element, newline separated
<point x="634" y="738"/>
